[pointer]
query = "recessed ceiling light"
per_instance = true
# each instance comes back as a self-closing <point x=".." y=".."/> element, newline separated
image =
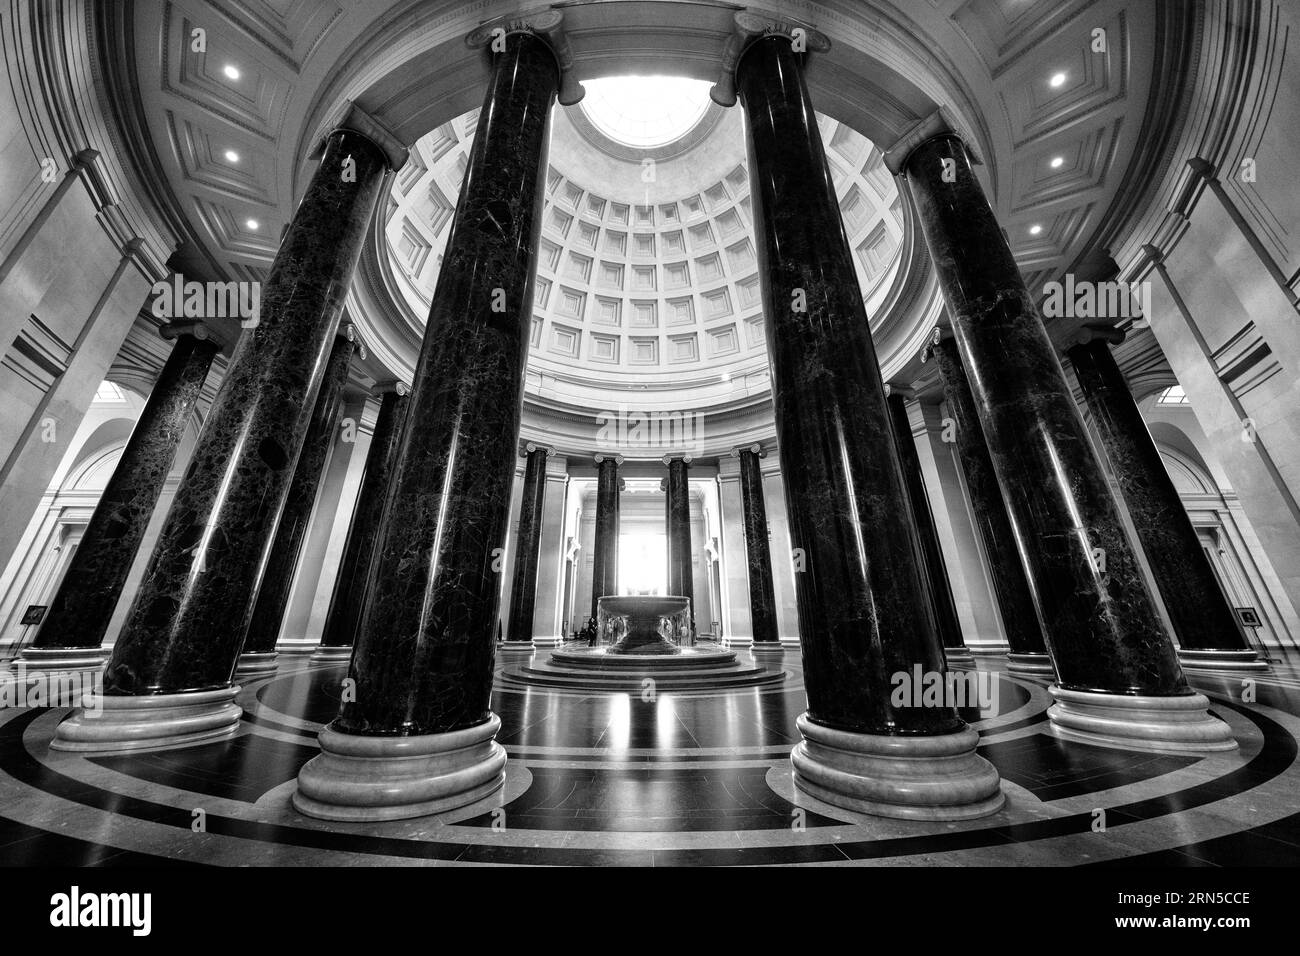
<point x="1035" y="230"/>
<point x="232" y="156"/>
<point x="253" y="224"/>
<point x="1057" y="80"/>
<point x="231" y="71"/>
<point x="1057" y="161"/>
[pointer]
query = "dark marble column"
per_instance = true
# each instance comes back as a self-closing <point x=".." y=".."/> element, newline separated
<point x="758" y="556"/>
<point x="426" y="644"/>
<point x="677" y="519"/>
<point x="604" y="557"/>
<point x="523" y="590"/>
<point x="80" y="611"/>
<point x="258" y="654"/>
<point x="864" y="611"/>
<point x="1099" y="617"/>
<point x="936" y="571"/>
<point x="188" y="621"/>
<point x="1028" y="651"/>
<point x="1202" y="618"/>
<point x="358" y="551"/>
<point x="865" y="618"/>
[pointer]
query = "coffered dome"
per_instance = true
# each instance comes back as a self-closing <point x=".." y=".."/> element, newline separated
<point x="648" y="281"/>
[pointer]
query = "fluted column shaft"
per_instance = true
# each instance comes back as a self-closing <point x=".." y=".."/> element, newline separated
<point x="758" y="556"/>
<point x="936" y="571"/>
<point x="426" y="643"/>
<point x="604" y="559"/>
<point x="1098" y="614"/>
<point x="1197" y="608"/>
<point x="523" y="590"/>
<point x="80" y="612"/>
<point x="677" y="517"/>
<point x="277" y="579"/>
<point x="359" y="548"/>
<point x="1010" y="585"/>
<point x="864" y="613"/>
<point x="189" y="618"/>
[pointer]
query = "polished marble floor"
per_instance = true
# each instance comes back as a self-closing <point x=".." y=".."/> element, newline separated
<point x="680" y="779"/>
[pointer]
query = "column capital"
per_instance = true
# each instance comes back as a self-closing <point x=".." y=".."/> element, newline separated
<point x="669" y="459"/>
<point x="902" y="391"/>
<point x="399" y="387"/>
<point x="1153" y="254"/>
<point x="349" y="331"/>
<point x="754" y="448"/>
<point x="545" y="23"/>
<point x="353" y="118"/>
<point x="195" y="327"/>
<point x="618" y="459"/>
<point x="83" y="158"/>
<point x="939" y="334"/>
<point x="939" y="123"/>
<point x="1096" y="332"/>
<point x="526" y="448"/>
<point x="748" y="26"/>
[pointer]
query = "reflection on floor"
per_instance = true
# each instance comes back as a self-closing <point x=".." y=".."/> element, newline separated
<point x="682" y="779"/>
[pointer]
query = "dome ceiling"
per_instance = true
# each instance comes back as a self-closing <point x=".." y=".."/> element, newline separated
<point x="647" y="275"/>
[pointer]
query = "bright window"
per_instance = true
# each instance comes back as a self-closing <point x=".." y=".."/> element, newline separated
<point x="643" y="563"/>
<point x="645" y="111"/>
<point x="1173" y="395"/>
<point x="108" y="392"/>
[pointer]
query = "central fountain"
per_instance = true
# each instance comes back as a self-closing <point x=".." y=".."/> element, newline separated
<point x="640" y="638"/>
<point x="643" y="623"/>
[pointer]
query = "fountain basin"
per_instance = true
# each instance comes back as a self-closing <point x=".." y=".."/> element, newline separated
<point x="643" y="624"/>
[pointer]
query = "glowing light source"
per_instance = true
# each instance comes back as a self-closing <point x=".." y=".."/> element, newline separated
<point x="1057" y="161"/>
<point x="1057" y="80"/>
<point x="253" y="224"/>
<point x="645" y="111"/>
<point x="231" y="71"/>
<point x="232" y="156"/>
<point x="1035" y="230"/>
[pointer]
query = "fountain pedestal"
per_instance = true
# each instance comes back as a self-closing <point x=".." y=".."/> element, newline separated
<point x="643" y="624"/>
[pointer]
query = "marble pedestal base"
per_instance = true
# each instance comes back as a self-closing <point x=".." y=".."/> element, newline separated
<point x="791" y="643"/>
<point x="393" y="778"/>
<point x="909" y="778"/>
<point x="1163" y="724"/>
<point x="331" y="655"/>
<point x="155" y="720"/>
<point x="1222" y="661"/>
<point x="63" y="660"/>
<point x="959" y="657"/>
<point x="256" y="664"/>
<point x="1031" y="665"/>
<point x="515" y="647"/>
<point x="739" y="642"/>
<point x="767" y="647"/>
<point x="547" y="641"/>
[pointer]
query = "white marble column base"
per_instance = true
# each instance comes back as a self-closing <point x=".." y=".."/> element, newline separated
<point x="773" y="648"/>
<point x="515" y="647"/>
<point x="1030" y="665"/>
<point x="63" y="660"/>
<point x="1163" y="724"/>
<point x="547" y="641"/>
<point x="149" y="720"/>
<point x="393" y="778"/>
<point x="909" y="778"/>
<point x="791" y="643"/>
<point x="739" y="642"/>
<point x="331" y="655"/>
<point x="256" y="665"/>
<point x="959" y="657"/>
<point x="1222" y="661"/>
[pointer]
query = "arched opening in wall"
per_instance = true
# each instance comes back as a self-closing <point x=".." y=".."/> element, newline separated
<point x="643" y="563"/>
<point x="1243" y="570"/>
<point x="52" y="535"/>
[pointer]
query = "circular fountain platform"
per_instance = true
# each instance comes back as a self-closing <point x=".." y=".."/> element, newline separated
<point x="705" y="667"/>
